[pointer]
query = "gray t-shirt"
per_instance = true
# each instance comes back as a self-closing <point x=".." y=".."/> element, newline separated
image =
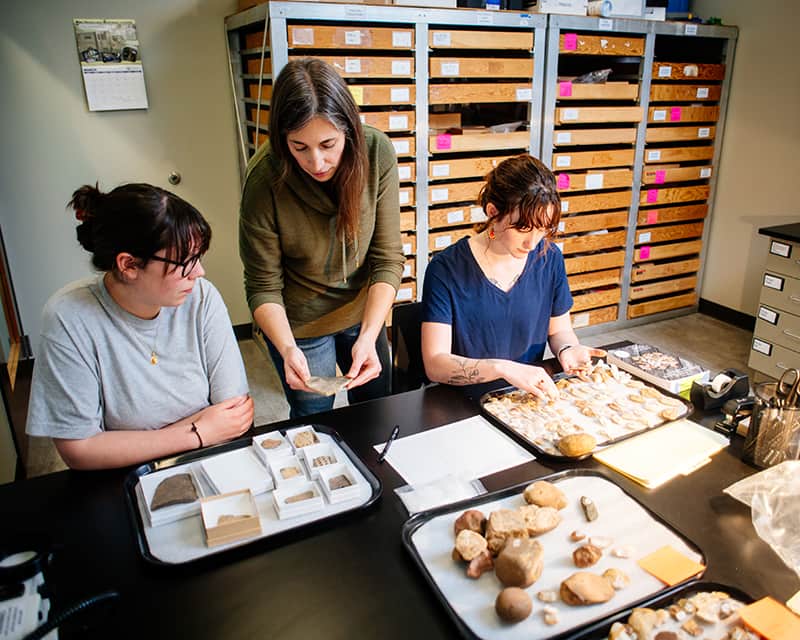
<point x="94" y="373"/>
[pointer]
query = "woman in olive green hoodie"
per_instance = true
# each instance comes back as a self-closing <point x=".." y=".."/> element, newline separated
<point x="319" y="236"/>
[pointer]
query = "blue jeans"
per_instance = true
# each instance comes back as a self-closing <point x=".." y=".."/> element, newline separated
<point x="323" y="354"/>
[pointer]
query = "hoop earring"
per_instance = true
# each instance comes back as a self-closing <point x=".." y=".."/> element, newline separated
<point x="491" y="233"/>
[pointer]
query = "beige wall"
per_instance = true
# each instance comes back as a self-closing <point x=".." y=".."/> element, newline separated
<point x="759" y="170"/>
<point x="52" y="144"/>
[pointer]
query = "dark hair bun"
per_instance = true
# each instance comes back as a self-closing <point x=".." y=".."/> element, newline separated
<point x="84" y="203"/>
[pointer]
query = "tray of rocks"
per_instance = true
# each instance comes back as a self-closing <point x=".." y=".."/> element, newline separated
<point x="547" y="559"/>
<point x="599" y="407"/>
<point x="207" y="502"/>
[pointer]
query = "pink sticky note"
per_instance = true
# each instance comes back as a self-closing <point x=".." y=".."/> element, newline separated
<point x="652" y="217"/>
<point x="660" y="175"/>
<point x="644" y="253"/>
<point x="652" y="196"/>
<point x="570" y="41"/>
<point x="563" y="181"/>
<point x="564" y="89"/>
<point x="444" y="141"/>
<point x="675" y="114"/>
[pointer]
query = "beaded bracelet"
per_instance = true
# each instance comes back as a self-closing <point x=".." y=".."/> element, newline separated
<point x="197" y="433"/>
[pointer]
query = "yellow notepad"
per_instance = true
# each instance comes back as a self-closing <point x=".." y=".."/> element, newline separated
<point x="654" y="457"/>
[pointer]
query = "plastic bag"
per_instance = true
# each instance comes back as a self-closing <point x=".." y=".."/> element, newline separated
<point x="593" y="77"/>
<point x="774" y="498"/>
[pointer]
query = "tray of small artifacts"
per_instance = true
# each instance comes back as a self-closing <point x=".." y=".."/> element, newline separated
<point x="600" y="406"/>
<point x="704" y="610"/>
<point x="207" y="502"/>
<point x="547" y="559"/>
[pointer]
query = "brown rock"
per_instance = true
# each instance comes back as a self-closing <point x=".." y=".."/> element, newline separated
<point x="513" y="604"/>
<point x="545" y="494"/>
<point x="480" y="564"/>
<point x="586" y="555"/>
<point x="177" y="489"/>
<point x="583" y="588"/>
<point x="576" y="444"/>
<point x="471" y="519"/>
<point x="520" y="563"/>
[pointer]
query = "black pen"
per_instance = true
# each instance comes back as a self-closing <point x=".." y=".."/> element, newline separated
<point x="392" y="438"/>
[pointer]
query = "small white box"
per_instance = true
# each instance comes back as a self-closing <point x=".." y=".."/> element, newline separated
<point x="328" y="478"/>
<point x="319" y="456"/>
<point x="569" y="7"/>
<point x="287" y="471"/>
<point x="237" y="470"/>
<point x="230" y="517"/>
<point x="276" y="446"/>
<point x="149" y="484"/>
<point x="627" y="8"/>
<point x="297" y="438"/>
<point x="297" y="500"/>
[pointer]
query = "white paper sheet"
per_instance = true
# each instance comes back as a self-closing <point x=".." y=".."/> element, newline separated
<point x="466" y="449"/>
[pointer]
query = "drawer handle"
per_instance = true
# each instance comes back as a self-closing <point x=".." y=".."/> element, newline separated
<point x="794" y="299"/>
<point x="791" y="335"/>
<point x="780" y="365"/>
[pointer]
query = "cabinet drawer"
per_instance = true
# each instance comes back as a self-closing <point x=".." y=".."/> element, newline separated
<point x="253" y="66"/>
<point x="454" y="192"/>
<point x="671" y="250"/>
<point x="672" y="214"/>
<point x="369" y="67"/>
<point x="572" y="43"/>
<point x="593" y="221"/>
<point x="594" y="279"/>
<point x="772" y="359"/>
<point x="780" y="292"/>
<point x="439" y="240"/>
<point x="672" y="232"/>
<point x="406" y="292"/>
<point x="481" y="67"/>
<point x="670" y="134"/>
<point x="788" y="265"/>
<point x="445" y="39"/>
<point x="258" y="138"/>
<point x="582" y="244"/>
<point x="684" y="92"/>
<point x="266" y="91"/>
<point x="410" y="268"/>
<point x="580" y="264"/>
<point x="404" y="146"/>
<point x="438" y="218"/>
<point x="568" y="137"/>
<point x="650" y="271"/>
<point x="383" y="94"/>
<point x="325" y="37"/>
<point x="406" y="195"/>
<point x="602" y="91"/>
<point x="665" y="287"/>
<point x="407" y="171"/>
<point x="688" y="71"/>
<point x="662" y="174"/>
<point x="255" y="40"/>
<point x="593" y="159"/>
<point x="408" y="220"/>
<point x="444" y="121"/>
<point x="569" y="115"/>
<point x="390" y="120"/>
<point x="640" y="309"/>
<point x="784" y="330"/>
<point x="595" y="299"/>
<point x="654" y="195"/>
<point x="679" y="154"/>
<point x="596" y="202"/>
<point x="682" y="114"/>
<point x="609" y="179"/>
<point x="409" y="242"/>
<point x="481" y="92"/>
<point x="463" y="168"/>
<point x="595" y="316"/>
<point x="262" y="114"/>
<point x="446" y="143"/>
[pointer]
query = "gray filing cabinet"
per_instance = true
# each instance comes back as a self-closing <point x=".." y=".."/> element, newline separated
<point x="776" y="339"/>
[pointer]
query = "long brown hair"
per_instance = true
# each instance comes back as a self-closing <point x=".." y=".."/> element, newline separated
<point x="308" y="88"/>
<point x="523" y="183"/>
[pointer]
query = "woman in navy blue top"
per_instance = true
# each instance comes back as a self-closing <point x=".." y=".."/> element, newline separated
<point x="492" y="302"/>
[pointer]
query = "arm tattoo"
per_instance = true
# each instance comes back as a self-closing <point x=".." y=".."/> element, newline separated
<point x="465" y="371"/>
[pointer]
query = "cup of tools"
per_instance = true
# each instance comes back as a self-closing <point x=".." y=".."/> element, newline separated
<point x="774" y="432"/>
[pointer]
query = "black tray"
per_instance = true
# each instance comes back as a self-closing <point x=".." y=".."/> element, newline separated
<point x="600" y="630"/>
<point x="522" y="440"/>
<point x="286" y="535"/>
<point x="574" y="633"/>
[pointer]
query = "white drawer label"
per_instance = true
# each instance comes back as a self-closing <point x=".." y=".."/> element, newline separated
<point x="705" y="172"/>
<point x="762" y="347"/>
<point x="454" y="217"/>
<point x="690" y="30"/>
<point x="405" y="197"/>
<point x="404" y="173"/>
<point x="703" y="132"/>
<point x="580" y="320"/>
<point x="563" y="137"/>
<point x="654" y="155"/>
<point x="406" y="270"/>
<point x="476" y="214"/>
<point x="569" y="114"/>
<point x="450" y="68"/>
<point x="441" y="170"/>
<point x="524" y="94"/>
<point x="401" y="67"/>
<point x="442" y="241"/>
<point x="767" y="315"/>
<point x="352" y="65"/>
<point x="441" y="39"/>
<point x="780" y="249"/>
<point x="594" y="180"/>
<point x="398" y="122"/>
<point x="401" y="146"/>
<point x="400" y="94"/>
<point x="559" y="246"/>
<point x="702" y="92"/>
<point x="488" y="18"/>
<point x="401" y="38"/>
<point x="563" y="161"/>
<point x="773" y="282"/>
<point x="301" y="35"/>
<point x="561" y="226"/>
<point x="363" y="118"/>
<point x="659" y="115"/>
<point x="352" y="37"/>
<point x="406" y="248"/>
<point x="564" y="206"/>
<point x="664" y="71"/>
<point x="605" y="24"/>
<point x="644" y="237"/>
<point x="438" y="195"/>
<point x="404" y="294"/>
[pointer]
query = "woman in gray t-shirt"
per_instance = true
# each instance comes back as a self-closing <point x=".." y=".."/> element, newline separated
<point x="139" y="362"/>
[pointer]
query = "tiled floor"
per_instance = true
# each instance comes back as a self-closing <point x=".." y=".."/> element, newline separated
<point x="701" y="338"/>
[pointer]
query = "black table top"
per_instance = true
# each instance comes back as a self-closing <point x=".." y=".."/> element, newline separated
<point x="789" y="232"/>
<point x="350" y="577"/>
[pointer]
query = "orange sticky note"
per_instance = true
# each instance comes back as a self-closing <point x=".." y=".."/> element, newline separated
<point x="771" y="619"/>
<point x="670" y="566"/>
